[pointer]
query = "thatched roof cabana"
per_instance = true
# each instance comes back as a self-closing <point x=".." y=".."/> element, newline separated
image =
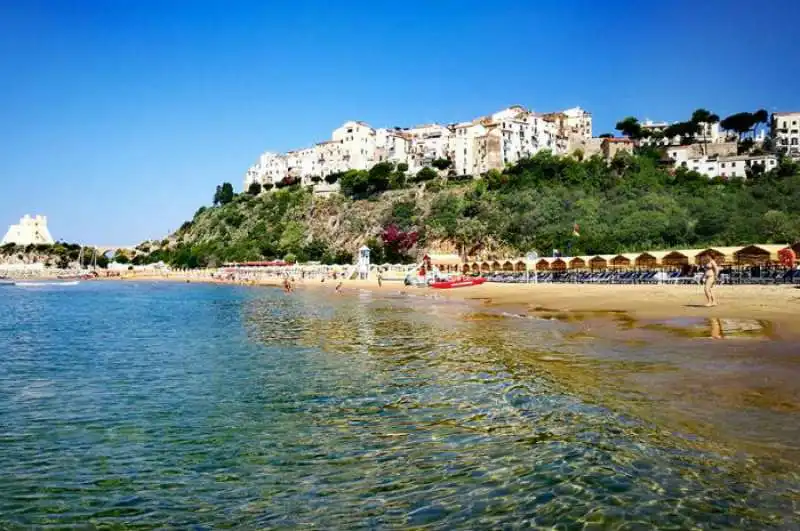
<point x="758" y="254"/>
<point x="678" y="258"/>
<point x="558" y="264"/>
<point x="508" y="266"/>
<point x="721" y="255"/>
<point x="543" y="264"/>
<point x="598" y="262"/>
<point x="622" y="260"/>
<point x="796" y="248"/>
<point x="496" y="266"/>
<point x="520" y="266"/>
<point x="577" y="263"/>
<point x="646" y="260"/>
<point x="476" y="267"/>
<point x="486" y="267"/>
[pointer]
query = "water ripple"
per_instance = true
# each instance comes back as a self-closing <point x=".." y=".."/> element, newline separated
<point x="169" y="406"/>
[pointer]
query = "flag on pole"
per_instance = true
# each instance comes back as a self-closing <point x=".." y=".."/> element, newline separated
<point x="576" y="231"/>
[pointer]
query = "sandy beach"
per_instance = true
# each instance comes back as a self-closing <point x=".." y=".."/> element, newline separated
<point x="779" y="304"/>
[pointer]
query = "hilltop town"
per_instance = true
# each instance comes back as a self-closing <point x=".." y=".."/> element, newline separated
<point x="507" y="136"/>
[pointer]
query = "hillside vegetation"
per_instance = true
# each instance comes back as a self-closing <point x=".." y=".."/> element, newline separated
<point x="632" y="204"/>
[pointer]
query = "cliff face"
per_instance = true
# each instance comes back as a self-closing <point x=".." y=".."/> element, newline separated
<point x="298" y="223"/>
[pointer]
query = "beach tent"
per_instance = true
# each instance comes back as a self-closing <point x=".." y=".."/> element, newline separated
<point x="520" y="266"/>
<point x="486" y="267"/>
<point x="721" y="255"/>
<point x="758" y="254"/>
<point x="476" y="267"/>
<point x="496" y="266"/>
<point x="543" y="264"/>
<point x="508" y="266"/>
<point x="577" y="263"/>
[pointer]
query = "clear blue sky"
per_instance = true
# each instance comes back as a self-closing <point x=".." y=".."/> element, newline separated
<point x="119" y="117"/>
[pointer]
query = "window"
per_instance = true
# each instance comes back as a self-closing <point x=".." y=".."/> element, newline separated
<point x="723" y="164"/>
<point x="794" y="141"/>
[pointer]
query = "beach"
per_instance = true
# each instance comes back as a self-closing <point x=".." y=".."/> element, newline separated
<point x="778" y="304"/>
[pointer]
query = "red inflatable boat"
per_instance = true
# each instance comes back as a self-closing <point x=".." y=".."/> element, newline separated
<point x="458" y="283"/>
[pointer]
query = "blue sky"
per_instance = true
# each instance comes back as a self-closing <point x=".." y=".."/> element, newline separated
<point x="118" y="118"/>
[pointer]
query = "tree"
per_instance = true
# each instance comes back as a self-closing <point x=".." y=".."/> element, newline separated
<point x="403" y="167"/>
<point x="254" y="189"/>
<point x="354" y="183"/>
<point x="606" y="135"/>
<point x="268" y="186"/>
<point x="225" y="194"/>
<point x="425" y="174"/>
<point x="379" y="177"/>
<point x="630" y="127"/>
<point x="701" y="118"/>
<point x="441" y="164"/>
<point x="397" y="243"/>
<point x="331" y="178"/>
<point x="217" y="195"/>
<point x="121" y="259"/>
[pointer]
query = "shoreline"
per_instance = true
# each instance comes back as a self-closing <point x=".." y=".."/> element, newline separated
<point x="780" y="305"/>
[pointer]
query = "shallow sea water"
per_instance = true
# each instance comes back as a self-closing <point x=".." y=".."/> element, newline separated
<point x="151" y="406"/>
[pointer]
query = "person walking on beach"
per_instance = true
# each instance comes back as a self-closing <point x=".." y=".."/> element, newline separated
<point x="339" y="287"/>
<point x="710" y="276"/>
<point x="287" y="285"/>
<point x="380" y="278"/>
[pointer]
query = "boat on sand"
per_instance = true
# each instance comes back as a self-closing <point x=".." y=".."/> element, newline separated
<point x="459" y="282"/>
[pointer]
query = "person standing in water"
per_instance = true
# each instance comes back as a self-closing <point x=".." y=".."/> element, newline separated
<point x="710" y="276"/>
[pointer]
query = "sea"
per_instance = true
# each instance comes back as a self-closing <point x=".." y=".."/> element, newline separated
<point x="135" y="405"/>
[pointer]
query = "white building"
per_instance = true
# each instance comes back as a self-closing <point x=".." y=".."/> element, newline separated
<point x="728" y="167"/>
<point x="358" y="144"/>
<point x="29" y="231"/>
<point x="474" y="147"/>
<point x="785" y="128"/>
<point x="710" y="132"/>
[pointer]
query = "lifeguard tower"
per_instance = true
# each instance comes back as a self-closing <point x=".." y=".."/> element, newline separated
<point x="363" y="263"/>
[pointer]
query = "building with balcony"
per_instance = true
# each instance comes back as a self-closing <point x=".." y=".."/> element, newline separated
<point x="785" y="129"/>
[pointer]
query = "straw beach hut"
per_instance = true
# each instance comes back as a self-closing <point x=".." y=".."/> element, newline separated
<point x="598" y="262"/>
<point x="577" y="263"/>
<point x="558" y="264"/>
<point x="678" y="258"/>
<point x="623" y="260"/>
<point x="721" y="255"/>
<point x="758" y="254"/>
<point x="646" y="260"/>
<point x="520" y="266"/>
<point x="508" y="266"/>
<point x="543" y="264"/>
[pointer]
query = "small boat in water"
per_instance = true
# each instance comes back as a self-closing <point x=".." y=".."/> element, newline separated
<point x="460" y="282"/>
<point x="6" y="282"/>
<point x="45" y="283"/>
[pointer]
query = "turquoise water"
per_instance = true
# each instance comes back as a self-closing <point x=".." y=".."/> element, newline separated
<point x="148" y="406"/>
